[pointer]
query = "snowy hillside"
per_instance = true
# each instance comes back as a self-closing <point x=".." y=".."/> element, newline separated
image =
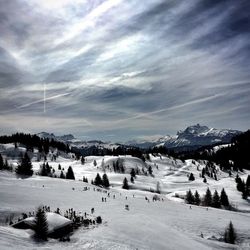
<point x="165" y="224"/>
<point x="192" y="136"/>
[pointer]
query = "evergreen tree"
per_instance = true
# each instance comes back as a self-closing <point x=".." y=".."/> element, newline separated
<point x="197" y="199"/>
<point x="1" y="162"/>
<point x="59" y="167"/>
<point x="191" y="177"/>
<point x="230" y="235"/>
<point x="132" y="173"/>
<point x="70" y="174"/>
<point x="237" y="178"/>
<point x="95" y="163"/>
<point x="62" y="175"/>
<point x="43" y="171"/>
<point x="132" y="179"/>
<point x="240" y="185"/>
<point x="6" y="165"/>
<point x="85" y="179"/>
<point x="25" y="166"/>
<point x="244" y="193"/>
<point x="248" y="185"/>
<point x="41" y="225"/>
<point x="224" y="198"/>
<point x="216" y="200"/>
<point x="150" y="171"/>
<point x="205" y="180"/>
<point x="82" y="160"/>
<point x="203" y="173"/>
<point x="215" y="177"/>
<point x="189" y="197"/>
<point x="207" y="200"/>
<point x="98" y="180"/>
<point x="105" y="181"/>
<point x="125" y="184"/>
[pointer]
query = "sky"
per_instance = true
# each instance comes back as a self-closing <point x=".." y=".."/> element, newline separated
<point x="119" y="70"/>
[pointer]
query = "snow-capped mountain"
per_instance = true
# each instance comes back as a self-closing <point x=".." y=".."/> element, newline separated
<point x="74" y="142"/>
<point x="193" y="136"/>
<point x="64" y="138"/>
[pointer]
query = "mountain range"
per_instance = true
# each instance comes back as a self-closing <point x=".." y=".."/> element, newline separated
<point x="192" y="137"/>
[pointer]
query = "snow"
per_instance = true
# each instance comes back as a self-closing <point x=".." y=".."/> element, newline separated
<point x="154" y="225"/>
<point x="54" y="220"/>
<point x="167" y="224"/>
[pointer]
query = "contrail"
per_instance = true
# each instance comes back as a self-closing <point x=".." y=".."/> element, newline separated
<point x="200" y="100"/>
<point x="42" y="100"/>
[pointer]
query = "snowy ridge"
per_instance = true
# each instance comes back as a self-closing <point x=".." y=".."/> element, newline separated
<point x="196" y="135"/>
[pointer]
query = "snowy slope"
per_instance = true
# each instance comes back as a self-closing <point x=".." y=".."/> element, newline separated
<point x="154" y="225"/>
<point x="166" y="224"/>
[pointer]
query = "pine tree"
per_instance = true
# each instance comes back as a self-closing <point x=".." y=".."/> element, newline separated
<point x="95" y="163"/>
<point x="62" y="175"/>
<point x="25" y="166"/>
<point x="1" y="162"/>
<point x="207" y="200"/>
<point x="132" y="173"/>
<point x="197" y="199"/>
<point x="125" y="184"/>
<point x="70" y="174"/>
<point x="224" y="198"/>
<point x="191" y="177"/>
<point x="150" y="171"/>
<point x="105" y="181"/>
<point x="240" y="185"/>
<point x="43" y="171"/>
<point x="189" y="197"/>
<point x="203" y="173"/>
<point x="41" y="225"/>
<point x="230" y="235"/>
<point x="237" y="178"/>
<point x="132" y="179"/>
<point x="248" y="185"/>
<point x="59" y="167"/>
<point x="82" y="160"/>
<point x="98" y="180"/>
<point x="216" y="200"/>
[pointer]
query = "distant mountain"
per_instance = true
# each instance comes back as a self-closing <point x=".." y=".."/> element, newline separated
<point x="77" y="143"/>
<point x="63" y="138"/>
<point x="192" y="137"/>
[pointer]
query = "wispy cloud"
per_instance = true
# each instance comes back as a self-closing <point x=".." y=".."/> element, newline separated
<point x="126" y="68"/>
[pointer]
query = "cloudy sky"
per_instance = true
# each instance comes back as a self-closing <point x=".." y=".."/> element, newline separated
<point x="123" y="69"/>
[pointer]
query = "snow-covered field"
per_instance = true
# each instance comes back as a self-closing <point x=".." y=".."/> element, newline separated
<point x="165" y="224"/>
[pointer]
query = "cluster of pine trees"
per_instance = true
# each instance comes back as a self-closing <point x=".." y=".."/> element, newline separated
<point x="103" y="182"/>
<point x="25" y="166"/>
<point x="209" y="170"/>
<point x="236" y="156"/>
<point x="118" y="166"/>
<point x="46" y="170"/>
<point x="243" y="186"/>
<point x="34" y="141"/>
<point x="208" y="199"/>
